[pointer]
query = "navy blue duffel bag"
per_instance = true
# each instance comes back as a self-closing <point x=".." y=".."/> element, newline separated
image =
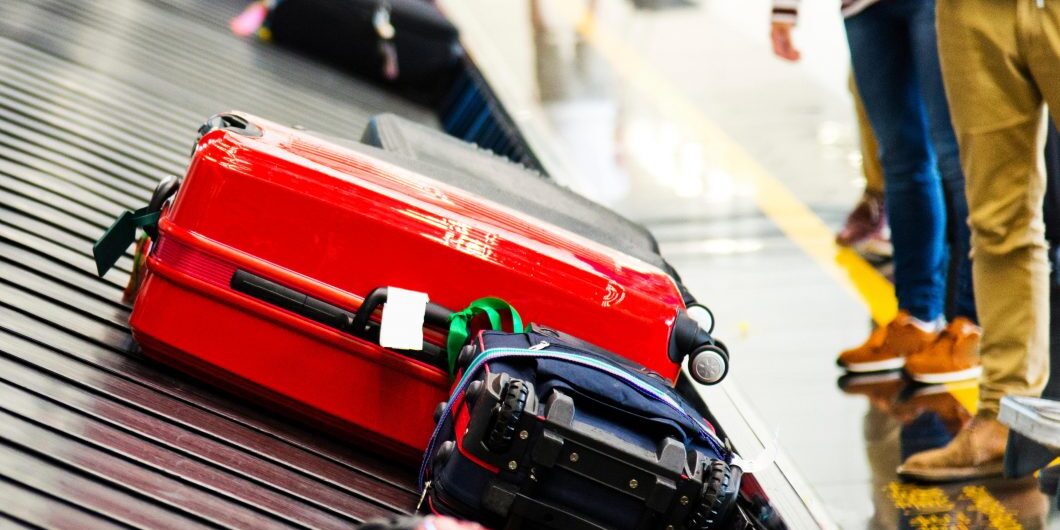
<point x="547" y="431"/>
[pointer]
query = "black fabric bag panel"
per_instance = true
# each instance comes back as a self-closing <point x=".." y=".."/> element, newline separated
<point x="342" y="32"/>
<point x="608" y="409"/>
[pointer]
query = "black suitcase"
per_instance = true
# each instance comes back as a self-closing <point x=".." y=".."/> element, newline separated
<point x="513" y="185"/>
<point x="405" y="41"/>
<point x="472" y="112"/>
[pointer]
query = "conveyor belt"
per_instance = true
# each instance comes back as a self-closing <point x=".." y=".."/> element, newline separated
<point x="99" y="100"/>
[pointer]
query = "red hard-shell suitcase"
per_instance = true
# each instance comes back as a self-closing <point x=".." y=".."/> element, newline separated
<point x="332" y="223"/>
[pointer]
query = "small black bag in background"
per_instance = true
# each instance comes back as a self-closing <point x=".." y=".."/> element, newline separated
<point x="409" y="42"/>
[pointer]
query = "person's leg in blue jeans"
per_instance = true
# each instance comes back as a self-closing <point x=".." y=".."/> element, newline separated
<point x="896" y="67"/>
<point x="924" y="43"/>
<point x="883" y="57"/>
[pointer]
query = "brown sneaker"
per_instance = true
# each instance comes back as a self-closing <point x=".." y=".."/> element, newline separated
<point x="867" y="221"/>
<point x="887" y="346"/>
<point x="954" y="356"/>
<point x="977" y="451"/>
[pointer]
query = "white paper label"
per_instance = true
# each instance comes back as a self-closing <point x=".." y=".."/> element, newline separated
<point x="402" y="323"/>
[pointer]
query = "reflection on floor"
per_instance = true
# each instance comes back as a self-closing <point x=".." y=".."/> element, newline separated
<point x="742" y="166"/>
<point x="905" y="418"/>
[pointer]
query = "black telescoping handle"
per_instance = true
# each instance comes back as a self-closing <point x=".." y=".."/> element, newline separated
<point x="323" y="312"/>
<point x="436" y="315"/>
<point x="292" y="300"/>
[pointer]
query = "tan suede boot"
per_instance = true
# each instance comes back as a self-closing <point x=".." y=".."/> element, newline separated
<point x="977" y="451"/>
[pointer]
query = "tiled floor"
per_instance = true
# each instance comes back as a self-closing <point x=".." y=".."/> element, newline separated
<point x="682" y="119"/>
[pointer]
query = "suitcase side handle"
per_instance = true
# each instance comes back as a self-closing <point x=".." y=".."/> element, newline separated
<point x="292" y="300"/>
<point x="333" y="316"/>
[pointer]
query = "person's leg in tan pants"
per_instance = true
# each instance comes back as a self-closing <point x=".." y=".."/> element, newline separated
<point x="1000" y="62"/>
<point x="870" y="151"/>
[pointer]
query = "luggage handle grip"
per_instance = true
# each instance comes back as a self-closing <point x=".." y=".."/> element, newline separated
<point x="165" y="189"/>
<point x="356" y="324"/>
<point x="435" y="316"/>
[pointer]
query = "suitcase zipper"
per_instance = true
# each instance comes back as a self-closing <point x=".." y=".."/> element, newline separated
<point x="423" y="495"/>
<point x="496" y="353"/>
<point x="644" y="388"/>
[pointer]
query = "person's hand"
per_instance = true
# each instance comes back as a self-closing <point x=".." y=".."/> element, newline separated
<point x="783" y="44"/>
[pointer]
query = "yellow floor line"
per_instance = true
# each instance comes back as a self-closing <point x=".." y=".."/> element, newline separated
<point x="794" y="218"/>
<point x="966" y="393"/>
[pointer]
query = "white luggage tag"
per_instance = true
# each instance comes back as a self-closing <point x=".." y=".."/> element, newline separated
<point x="401" y="326"/>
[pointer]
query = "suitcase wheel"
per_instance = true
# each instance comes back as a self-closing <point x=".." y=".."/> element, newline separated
<point x="441" y="456"/>
<point x="702" y="315"/>
<point x="474" y="391"/>
<point x="709" y="364"/>
<point x="717" y="499"/>
<point x="464" y="358"/>
<point x="506" y="416"/>
<point x="438" y="410"/>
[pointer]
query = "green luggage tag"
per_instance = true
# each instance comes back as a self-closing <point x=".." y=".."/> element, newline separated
<point x="122" y="233"/>
<point x="460" y="322"/>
